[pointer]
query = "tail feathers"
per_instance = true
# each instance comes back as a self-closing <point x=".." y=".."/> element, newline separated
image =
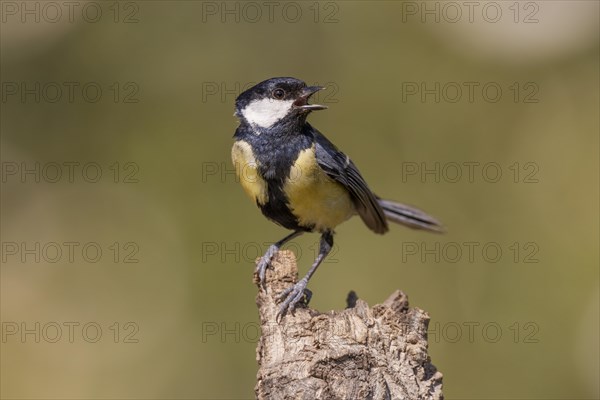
<point x="410" y="216"/>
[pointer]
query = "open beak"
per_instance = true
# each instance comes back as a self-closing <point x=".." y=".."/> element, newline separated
<point x="302" y="101"/>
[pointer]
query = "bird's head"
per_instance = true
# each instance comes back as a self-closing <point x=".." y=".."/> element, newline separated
<point x="276" y="100"/>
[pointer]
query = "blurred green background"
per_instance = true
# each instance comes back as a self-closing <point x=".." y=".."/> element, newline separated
<point x="181" y="321"/>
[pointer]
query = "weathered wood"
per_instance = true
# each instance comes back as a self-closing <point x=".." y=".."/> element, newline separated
<point x="356" y="353"/>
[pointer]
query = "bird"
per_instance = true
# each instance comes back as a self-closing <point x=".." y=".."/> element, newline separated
<point x="300" y="180"/>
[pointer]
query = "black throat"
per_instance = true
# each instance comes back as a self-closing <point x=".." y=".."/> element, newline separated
<point x="276" y="148"/>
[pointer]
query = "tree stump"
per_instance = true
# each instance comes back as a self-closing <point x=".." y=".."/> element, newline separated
<point x="356" y="353"/>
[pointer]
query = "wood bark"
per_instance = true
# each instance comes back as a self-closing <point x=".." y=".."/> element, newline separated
<point x="361" y="352"/>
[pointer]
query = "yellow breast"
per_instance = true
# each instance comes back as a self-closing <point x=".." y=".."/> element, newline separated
<point x="313" y="197"/>
<point x="246" y="170"/>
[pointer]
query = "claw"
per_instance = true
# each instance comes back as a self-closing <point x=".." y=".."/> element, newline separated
<point x="294" y="293"/>
<point x="264" y="263"/>
<point x="261" y="270"/>
<point x="292" y="296"/>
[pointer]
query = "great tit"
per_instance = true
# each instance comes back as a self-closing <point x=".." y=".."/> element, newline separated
<point x="299" y="179"/>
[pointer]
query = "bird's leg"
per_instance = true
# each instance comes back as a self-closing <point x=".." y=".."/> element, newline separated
<point x="293" y="294"/>
<point x="265" y="260"/>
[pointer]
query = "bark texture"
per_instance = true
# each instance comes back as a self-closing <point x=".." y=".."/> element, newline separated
<point x="361" y="352"/>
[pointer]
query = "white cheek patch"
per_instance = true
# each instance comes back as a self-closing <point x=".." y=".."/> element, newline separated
<point x="266" y="112"/>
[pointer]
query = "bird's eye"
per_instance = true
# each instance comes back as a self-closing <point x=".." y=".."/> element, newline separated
<point x="279" y="94"/>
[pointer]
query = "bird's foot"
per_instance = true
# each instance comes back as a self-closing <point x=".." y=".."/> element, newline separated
<point x="292" y="296"/>
<point x="264" y="263"/>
